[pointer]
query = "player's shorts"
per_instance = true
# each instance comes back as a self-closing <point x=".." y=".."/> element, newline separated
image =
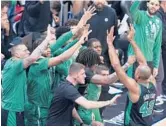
<point x="11" y="118"/>
<point x="35" y="115"/>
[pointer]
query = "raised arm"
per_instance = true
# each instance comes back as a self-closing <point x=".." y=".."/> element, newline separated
<point x="135" y="12"/>
<point x="67" y="36"/>
<point x="60" y="41"/>
<point x="112" y="78"/>
<point x="39" y="50"/>
<point x="61" y="50"/>
<point x="129" y="83"/>
<point x="67" y="54"/>
<point x="86" y="16"/>
<point x="139" y="56"/>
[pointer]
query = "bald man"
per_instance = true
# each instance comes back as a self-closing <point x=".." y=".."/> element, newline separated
<point x="141" y="90"/>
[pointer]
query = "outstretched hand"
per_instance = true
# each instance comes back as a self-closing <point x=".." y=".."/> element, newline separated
<point x="110" y="36"/>
<point x="114" y="99"/>
<point x="131" y="33"/>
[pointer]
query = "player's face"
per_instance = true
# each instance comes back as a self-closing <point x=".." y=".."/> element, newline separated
<point x="81" y="77"/>
<point x="47" y="52"/>
<point x="153" y="6"/>
<point x="104" y="73"/>
<point x="97" y="47"/>
<point x="22" y="51"/>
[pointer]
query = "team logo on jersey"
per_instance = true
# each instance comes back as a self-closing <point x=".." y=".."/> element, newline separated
<point x="106" y="19"/>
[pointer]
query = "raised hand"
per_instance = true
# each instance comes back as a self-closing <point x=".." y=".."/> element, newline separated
<point x="131" y="33"/>
<point x="89" y="12"/>
<point x="131" y="60"/>
<point x="110" y="36"/>
<point x="50" y="33"/>
<point x="87" y="15"/>
<point x="84" y="37"/>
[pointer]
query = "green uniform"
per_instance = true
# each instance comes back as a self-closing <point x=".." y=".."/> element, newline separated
<point x="141" y="112"/>
<point x="13" y="88"/>
<point x="92" y="93"/>
<point x="39" y="93"/>
<point x="148" y="34"/>
<point x="60" y="42"/>
<point x="61" y="70"/>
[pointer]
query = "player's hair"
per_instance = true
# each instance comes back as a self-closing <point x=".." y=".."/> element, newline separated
<point x="88" y="57"/>
<point x="91" y="41"/>
<point x="75" y="68"/>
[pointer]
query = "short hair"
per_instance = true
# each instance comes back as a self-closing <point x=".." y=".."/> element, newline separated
<point x="91" y="41"/>
<point x="14" y="49"/>
<point x="88" y="57"/>
<point x="144" y="72"/>
<point x="100" y="68"/>
<point x="55" y="5"/>
<point x="61" y="30"/>
<point x="71" y="22"/>
<point x="75" y="68"/>
<point x="4" y="3"/>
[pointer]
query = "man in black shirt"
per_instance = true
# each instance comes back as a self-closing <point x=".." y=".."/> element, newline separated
<point x="62" y="111"/>
<point x="104" y="19"/>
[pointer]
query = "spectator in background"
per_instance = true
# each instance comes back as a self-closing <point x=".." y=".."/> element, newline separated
<point x="106" y="16"/>
<point x="6" y="32"/>
<point x="5" y="29"/>
<point x="35" y="19"/>
<point x="149" y="34"/>
<point x="95" y="44"/>
<point x="55" y="7"/>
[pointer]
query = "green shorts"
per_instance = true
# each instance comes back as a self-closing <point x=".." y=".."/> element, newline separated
<point x="35" y="115"/>
<point x="97" y="115"/>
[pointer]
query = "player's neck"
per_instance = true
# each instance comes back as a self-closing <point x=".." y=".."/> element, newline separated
<point x="15" y="58"/>
<point x="144" y="82"/>
<point x="71" y="79"/>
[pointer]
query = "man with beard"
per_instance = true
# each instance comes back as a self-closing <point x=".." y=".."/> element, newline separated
<point x="148" y="35"/>
<point x="104" y="19"/>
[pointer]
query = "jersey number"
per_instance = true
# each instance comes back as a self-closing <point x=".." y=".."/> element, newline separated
<point x="147" y="108"/>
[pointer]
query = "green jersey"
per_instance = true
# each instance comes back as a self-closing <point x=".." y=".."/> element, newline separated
<point x="39" y="83"/>
<point x="148" y="34"/>
<point x="91" y="93"/>
<point x="14" y="85"/>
